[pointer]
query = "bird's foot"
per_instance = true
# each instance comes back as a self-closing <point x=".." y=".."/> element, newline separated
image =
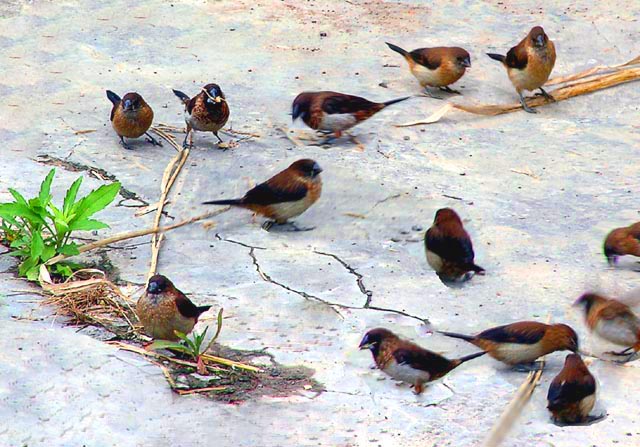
<point x="448" y="89"/>
<point x="152" y="140"/>
<point x="589" y="420"/>
<point x="428" y="93"/>
<point x="524" y="104"/>
<point x="284" y="227"/>
<point x="546" y="95"/>
<point x="529" y="367"/>
<point x="124" y="144"/>
<point x="620" y="353"/>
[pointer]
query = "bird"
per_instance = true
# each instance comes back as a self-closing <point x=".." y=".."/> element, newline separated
<point x="131" y="117"/>
<point x="406" y="361"/>
<point x="572" y="393"/>
<point x="208" y="111"/>
<point x="521" y="343"/>
<point x="449" y="249"/>
<point x="284" y="196"/>
<point x="333" y="113"/>
<point x="437" y="66"/>
<point x="529" y="64"/>
<point x="163" y="309"/>
<point x="622" y="241"/>
<point x="612" y="320"/>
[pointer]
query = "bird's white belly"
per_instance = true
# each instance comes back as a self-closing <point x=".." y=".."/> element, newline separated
<point x="337" y="121"/>
<point x="407" y="374"/>
<point x="425" y="76"/>
<point x="434" y="260"/>
<point x="619" y="331"/>
<point x="587" y="404"/>
<point x="515" y="353"/>
<point x="288" y="210"/>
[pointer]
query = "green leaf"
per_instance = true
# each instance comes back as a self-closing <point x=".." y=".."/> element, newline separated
<point x="48" y="252"/>
<point x="88" y="225"/>
<point x="27" y="265"/>
<point x="63" y="269"/>
<point x="70" y="249"/>
<point x="33" y="273"/>
<point x="70" y="197"/>
<point x="13" y="210"/>
<point x="37" y="245"/>
<point x="95" y="201"/>
<point x="45" y="188"/>
<point x="166" y="344"/>
<point x="16" y="195"/>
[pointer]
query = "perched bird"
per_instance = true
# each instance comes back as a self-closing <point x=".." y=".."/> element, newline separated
<point x="436" y="67"/>
<point x="529" y="64"/>
<point x="572" y="393"/>
<point x="131" y="117"/>
<point x="333" y="113"/>
<point x="622" y="241"/>
<point x="208" y="111"/>
<point x="406" y="361"/>
<point x="449" y="249"/>
<point x="612" y="320"/>
<point x="522" y="342"/>
<point x="284" y="196"/>
<point x="163" y="309"/>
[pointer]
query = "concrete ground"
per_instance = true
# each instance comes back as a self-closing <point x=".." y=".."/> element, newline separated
<point x="539" y="236"/>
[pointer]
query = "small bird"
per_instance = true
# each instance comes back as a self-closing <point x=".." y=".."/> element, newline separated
<point x="522" y="342"/>
<point x="208" y="111"/>
<point x="622" y="241"/>
<point x="284" y="196"/>
<point x="572" y="393"/>
<point x="163" y="309"/>
<point x="437" y="66"/>
<point x="131" y="117"/>
<point x="449" y="249"/>
<point x="529" y="64"/>
<point x="407" y="362"/>
<point x="612" y="320"/>
<point x="333" y="113"/>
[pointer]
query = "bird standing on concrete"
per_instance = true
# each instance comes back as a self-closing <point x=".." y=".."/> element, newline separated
<point x="572" y="394"/>
<point x="131" y="117"/>
<point x="406" y="361"/>
<point x="163" y="309"/>
<point x="529" y="64"/>
<point x="437" y="66"/>
<point x="622" y="241"/>
<point x="208" y="111"/>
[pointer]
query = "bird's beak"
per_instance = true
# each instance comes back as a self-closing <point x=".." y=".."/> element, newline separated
<point x="128" y="105"/>
<point x="364" y="346"/>
<point x="316" y="169"/>
<point x="466" y="63"/>
<point x="153" y="288"/>
<point x="540" y="40"/>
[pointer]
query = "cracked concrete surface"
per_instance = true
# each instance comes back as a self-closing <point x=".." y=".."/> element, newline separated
<point x="308" y="297"/>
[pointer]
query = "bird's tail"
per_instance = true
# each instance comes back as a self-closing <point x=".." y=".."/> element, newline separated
<point x="115" y="99"/>
<point x="460" y="336"/>
<point x="184" y="98"/>
<point x="466" y="358"/>
<point x="203" y="309"/>
<point x="224" y="202"/>
<point x="397" y="49"/>
<point x="497" y="57"/>
<point x="476" y="268"/>
<point x="393" y="101"/>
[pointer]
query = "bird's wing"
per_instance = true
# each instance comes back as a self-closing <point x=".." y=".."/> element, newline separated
<point x="418" y="358"/>
<point x="339" y="103"/>
<point x="427" y="57"/>
<point x="572" y="390"/>
<point x="517" y="56"/>
<point x="186" y="308"/>
<point x="525" y="332"/>
<point x="276" y="190"/>
<point x="450" y="248"/>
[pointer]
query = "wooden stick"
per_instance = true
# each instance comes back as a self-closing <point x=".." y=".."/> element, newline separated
<point x="201" y="390"/>
<point x="133" y="234"/>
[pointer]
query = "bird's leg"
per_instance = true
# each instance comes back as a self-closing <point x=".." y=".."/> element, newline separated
<point x="418" y="388"/>
<point x="284" y="226"/>
<point x="124" y="144"/>
<point x="430" y="94"/>
<point x="546" y="95"/>
<point x="448" y="89"/>
<point x="266" y="226"/>
<point x="188" y="137"/>
<point x="524" y="104"/>
<point x="621" y="353"/>
<point x="152" y="140"/>
<point x="218" y="137"/>
<point x="529" y="367"/>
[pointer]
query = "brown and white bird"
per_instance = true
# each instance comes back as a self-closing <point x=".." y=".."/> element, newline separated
<point x="407" y="362"/>
<point x="284" y="196"/>
<point x="436" y="67"/>
<point x="333" y="113"/>
<point x="449" y="249"/>
<point x="612" y="320"/>
<point x="572" y="394"/>
<point x="131" y="117"/>
<point x="529" y="64"/>
<point x="163" y="309"/>
<point x="208" y="111"/>
<point x="622" y="241"/>
<point x="523" y="342"/>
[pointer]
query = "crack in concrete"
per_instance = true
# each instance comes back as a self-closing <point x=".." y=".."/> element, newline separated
<point x="94" y="172"/>
<point x="359" y="279"/>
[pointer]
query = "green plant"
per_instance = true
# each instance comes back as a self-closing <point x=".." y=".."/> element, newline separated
<point x="37" y="230"/>
<point x="191" y="346"/>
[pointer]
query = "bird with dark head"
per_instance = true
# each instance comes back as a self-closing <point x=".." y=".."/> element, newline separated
<point x="333" y="113"/>
<point x="529" y="64"/>
<point x="163" y="309"/>
<point x="208" y="111"/>
<point x="612" y="320"/>
<point x="131" y="117"/>
<point x="407" y="362"/>
<point x="572" y="394"/>
<point x="523" y="342"/>
<point x="449" y="249"/>
<point x="436" y="67"/>
<point x="622" y="241"/>
<point x="284" y="196"/>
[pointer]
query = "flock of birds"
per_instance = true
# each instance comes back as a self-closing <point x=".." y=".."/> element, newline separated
<point x="163" y="309"/>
